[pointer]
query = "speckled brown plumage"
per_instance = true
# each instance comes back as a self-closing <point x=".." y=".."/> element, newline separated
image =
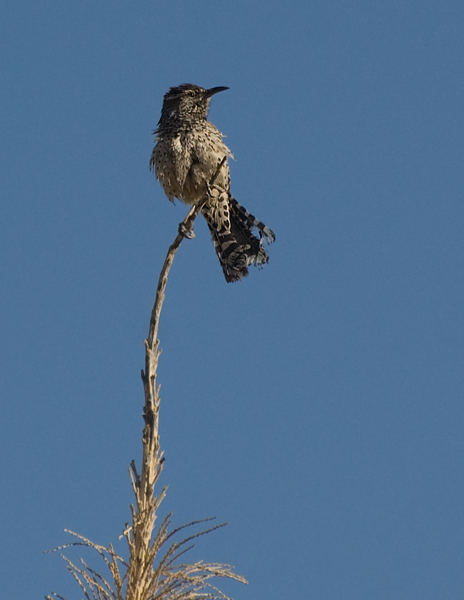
<point x="187" y="154"/>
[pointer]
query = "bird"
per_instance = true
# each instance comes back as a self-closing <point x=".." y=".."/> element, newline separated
<point x="190" y="162"/>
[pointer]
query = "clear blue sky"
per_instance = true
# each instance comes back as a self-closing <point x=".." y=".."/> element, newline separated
<point x="316" y="406"/>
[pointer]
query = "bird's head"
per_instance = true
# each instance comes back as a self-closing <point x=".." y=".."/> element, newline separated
<point x="187" y="103"/>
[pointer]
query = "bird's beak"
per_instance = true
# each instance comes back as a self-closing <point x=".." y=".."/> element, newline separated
<point x="215" y="90"/>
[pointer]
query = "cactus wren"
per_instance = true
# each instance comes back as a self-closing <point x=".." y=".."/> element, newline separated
<point x="188" y="152"/>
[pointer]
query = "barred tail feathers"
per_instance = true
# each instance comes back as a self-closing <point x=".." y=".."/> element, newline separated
<point x="235" y="244"/>
<point x="265" y="233"/>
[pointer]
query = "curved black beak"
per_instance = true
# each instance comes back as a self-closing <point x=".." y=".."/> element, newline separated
<point x="215" y="90"/>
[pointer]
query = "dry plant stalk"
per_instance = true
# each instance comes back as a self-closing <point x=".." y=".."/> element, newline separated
<point x="152" y="571"/>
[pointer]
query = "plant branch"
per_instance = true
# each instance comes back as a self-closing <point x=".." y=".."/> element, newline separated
<point x="152" y="571"/>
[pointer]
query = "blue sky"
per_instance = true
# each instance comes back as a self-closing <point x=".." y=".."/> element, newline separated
<point x="317" y="406"/>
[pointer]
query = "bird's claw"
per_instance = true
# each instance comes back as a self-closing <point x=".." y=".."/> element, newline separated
<point x="213" y="191"/>
<point x="186" y="233"/>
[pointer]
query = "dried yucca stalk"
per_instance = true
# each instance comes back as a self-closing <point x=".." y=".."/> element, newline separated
<point x="153" y="571"/>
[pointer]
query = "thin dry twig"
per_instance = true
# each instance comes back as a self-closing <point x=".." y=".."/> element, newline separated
<point x="149" y="574"/>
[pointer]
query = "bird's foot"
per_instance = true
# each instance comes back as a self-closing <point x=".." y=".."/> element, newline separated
<point x="213" y="191"/>
<point x="186" y="233"/>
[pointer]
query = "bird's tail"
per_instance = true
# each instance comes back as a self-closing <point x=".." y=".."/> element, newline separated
<point x="237" y="247"/>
